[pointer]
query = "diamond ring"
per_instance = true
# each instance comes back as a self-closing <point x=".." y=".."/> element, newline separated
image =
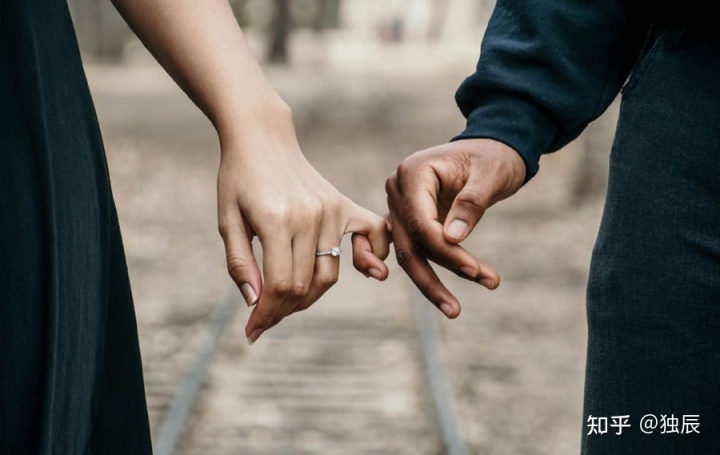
<point x="331" y="252"/>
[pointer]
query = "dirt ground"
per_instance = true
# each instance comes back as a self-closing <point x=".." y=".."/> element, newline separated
<point x="515" y="355"/>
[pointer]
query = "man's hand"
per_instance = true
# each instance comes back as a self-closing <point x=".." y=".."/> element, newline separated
<point x="436" y="197"/>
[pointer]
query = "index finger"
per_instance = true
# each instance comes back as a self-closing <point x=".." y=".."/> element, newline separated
<point x="278" y="274"/>
<point x="417" y="192"/>
<point x="419" y="271"/>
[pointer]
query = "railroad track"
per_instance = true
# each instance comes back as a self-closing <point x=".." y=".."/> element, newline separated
<point x="361" y="376"/>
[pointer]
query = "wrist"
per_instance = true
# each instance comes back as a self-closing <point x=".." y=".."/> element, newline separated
<point x="266" y="119"/>
<point x="518" y="166"/>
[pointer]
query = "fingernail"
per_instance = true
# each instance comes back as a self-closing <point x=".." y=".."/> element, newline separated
<point x="447" y="309"/>
<point x="469" y="271"/>
<point x="458" y="229"/>
<point x="488" y="283"/>
<point x="375" y="273"/>
<point x="255" y="335"/>
<point x="249" y="294"/>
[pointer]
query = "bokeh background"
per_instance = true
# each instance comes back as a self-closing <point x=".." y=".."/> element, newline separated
<point x="370" y="82"/>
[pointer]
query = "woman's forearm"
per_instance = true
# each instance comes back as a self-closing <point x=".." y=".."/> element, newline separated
<point x="200" y="45"/>
<point x="266" y="187"/>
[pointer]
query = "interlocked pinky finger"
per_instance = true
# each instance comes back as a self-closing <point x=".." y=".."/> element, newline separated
<point x="365" y="260"/>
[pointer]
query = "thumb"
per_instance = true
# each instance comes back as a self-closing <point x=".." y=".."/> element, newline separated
<point x="467" y="209"/>
<point x="241" y="263"/>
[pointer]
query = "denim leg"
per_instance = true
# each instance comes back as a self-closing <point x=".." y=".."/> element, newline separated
<point x="653" y="302"/>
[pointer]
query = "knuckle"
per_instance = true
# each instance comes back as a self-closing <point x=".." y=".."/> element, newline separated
<point x="406" y="166"/>
<point x="280" y="287"/>
<point x="237" y="267"/>
<point x="300" y="213"/>
<point x="309" y="210"/>
<point x="473" y="200"/>
<point x="418" y="230"/>
<point x="264" y="320"/>
<point x="328" y="280"/>
<point x="300" y="289"/>
<point x="413" y="162"/>
<point x="317" y="212"/>
<point x="404" y="258"/>
<point x="262" y="316"/>
<point x="276" y="214"/>
<point x="391" y="184"/>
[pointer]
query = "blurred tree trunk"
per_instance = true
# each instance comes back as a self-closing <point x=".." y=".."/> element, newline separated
<point x="328" y="15"/>
<point x="100" y="30"/>
<point x="280" y="33"/>
<point x="590" y="178"/>
<point x="238" y="7"/>
<point x="438" y="18"/>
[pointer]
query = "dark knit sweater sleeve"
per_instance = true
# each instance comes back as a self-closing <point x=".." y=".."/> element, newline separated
<point x="548" y="68"/>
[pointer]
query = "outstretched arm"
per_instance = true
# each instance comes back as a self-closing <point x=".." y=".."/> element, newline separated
<point x="266" y="187"/>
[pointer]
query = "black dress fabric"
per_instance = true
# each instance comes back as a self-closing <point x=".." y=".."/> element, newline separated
<point x="70" y="370"/>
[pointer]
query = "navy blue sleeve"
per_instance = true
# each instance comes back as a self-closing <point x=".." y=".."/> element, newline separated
<point x="548" y="68"/>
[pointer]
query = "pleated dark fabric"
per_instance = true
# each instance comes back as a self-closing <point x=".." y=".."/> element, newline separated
<point x="70" y="369"/>
<point x="653" y="302"/>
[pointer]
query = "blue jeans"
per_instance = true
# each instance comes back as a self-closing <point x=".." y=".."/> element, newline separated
<point x="653" y="302"/>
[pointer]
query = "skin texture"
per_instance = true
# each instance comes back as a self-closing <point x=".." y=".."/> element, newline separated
<point x="436" y="198"/>
<point x="266" y="187"/>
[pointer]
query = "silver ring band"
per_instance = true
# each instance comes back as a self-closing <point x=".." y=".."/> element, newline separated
<point x="331" y="252"/>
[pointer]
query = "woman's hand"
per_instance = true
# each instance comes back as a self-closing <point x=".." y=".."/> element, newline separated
<point x="267" y="188"/>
